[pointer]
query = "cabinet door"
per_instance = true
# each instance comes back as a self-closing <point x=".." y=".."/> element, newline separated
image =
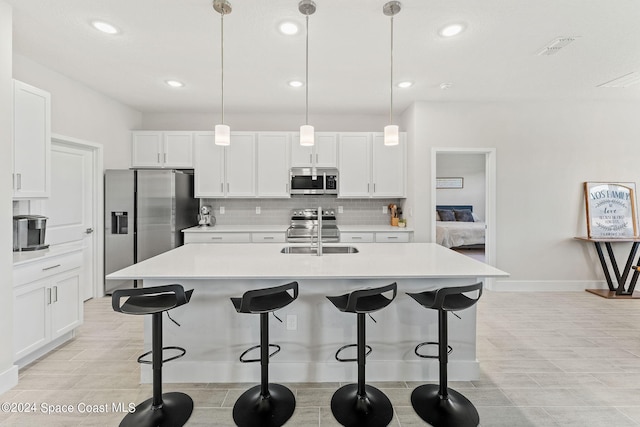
<point x="66" y="305"/>
<point x="326" y="150"/>
<point x="146" y="149"/>
<point x="178" y="150"/>
<point x="355" y="165"/>
<point x="273" y="165"/>
<point x="208" y="166"/>
<point x="30" y="318"/>
<point x="240" y="165"/>
<point x="301" y="156"/>
<point x="388" y="167"/>
<point x="31" y="141"/>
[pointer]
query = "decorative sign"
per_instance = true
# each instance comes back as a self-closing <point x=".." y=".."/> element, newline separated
<point x="449" y="182"/>
<point x="611" y="209"/>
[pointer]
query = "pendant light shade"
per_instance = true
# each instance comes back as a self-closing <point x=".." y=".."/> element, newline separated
<point x="307" y="135"/>
<point x="391" y="131"/>
<point x="222" y="131"/>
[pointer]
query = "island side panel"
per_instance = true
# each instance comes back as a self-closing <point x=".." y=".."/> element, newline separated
<point x="214" y="334"/>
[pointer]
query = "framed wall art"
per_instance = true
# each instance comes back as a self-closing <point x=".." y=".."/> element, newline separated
<point x="449" y="182"/>
<point x="611" y="209"/>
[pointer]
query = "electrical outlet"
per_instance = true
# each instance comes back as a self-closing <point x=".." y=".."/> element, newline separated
<point x="292" y="322"/>
<point x="384" y="209"/>
<point x="340" y="209"/>
<point x="257" y="210"/>
<point x="221" y="210"/>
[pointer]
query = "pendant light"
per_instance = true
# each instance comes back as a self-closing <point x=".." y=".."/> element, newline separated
<point x="307" y="137"/>
<point x="222" y="131"/>
<point x="391" y="132"/>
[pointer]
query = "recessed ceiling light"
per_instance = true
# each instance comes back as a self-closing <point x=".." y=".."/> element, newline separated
<point x="289" y="28"/>
<point x="296" y="83"/>
<point x="404" y="85"/>
<point x="105" y="27"/>
<point x="451" y="30"/>
<point x="174" y="83"/>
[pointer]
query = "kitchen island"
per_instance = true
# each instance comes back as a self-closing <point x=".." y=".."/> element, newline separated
<point x="214" y="335"/>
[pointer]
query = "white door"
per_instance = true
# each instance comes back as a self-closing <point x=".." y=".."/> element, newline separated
<point x="71" y="206"/>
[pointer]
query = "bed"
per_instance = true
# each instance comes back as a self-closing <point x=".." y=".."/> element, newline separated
<point x="458" y="227"/>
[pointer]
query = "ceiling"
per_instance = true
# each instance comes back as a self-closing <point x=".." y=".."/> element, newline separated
<point x="496" y="58"/>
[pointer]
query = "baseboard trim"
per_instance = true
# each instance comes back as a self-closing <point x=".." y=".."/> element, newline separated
<point x="545" y="285"/>
<point x="9" y="379"/>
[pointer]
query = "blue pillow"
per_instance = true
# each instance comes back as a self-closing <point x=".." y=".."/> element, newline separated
<point x="446" y="215"/>
<point x="463" y="215"/>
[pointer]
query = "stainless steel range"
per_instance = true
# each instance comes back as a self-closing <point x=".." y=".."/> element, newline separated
<point x="304" y="225"/>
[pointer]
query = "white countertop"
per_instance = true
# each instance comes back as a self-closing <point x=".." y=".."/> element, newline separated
<point x="25" y="257"/>
<point x="283" y="228"/>
<point x="242" y="261"/>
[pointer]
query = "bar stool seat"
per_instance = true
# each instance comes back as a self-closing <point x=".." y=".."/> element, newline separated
<point x="267" y="404"/>
<point x="168" y="409"/>
<point x="439" y="405"/>
<point x="362" y="405"/>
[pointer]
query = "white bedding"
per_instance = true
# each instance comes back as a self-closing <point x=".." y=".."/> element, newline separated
<point x="452" y="234"/>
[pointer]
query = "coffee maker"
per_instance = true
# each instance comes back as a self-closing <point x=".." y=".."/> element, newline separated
<point x="29" y="232"/>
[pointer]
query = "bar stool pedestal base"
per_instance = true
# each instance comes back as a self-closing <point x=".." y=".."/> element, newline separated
<point x="350" y="410"/>
<point x="176" y="410"/>
<point x="253" y="410"/>
<point x="456" y="411"/>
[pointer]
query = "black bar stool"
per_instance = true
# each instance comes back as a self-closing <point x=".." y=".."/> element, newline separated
<point x="439" y="405"/>
<point x="362" y="405"/>
<point x="266" y="404"/>
<point x="169" y="409"/>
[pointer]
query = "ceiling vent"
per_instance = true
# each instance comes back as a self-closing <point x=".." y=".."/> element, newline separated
<point x="623" y="81"/>
<point x="557" y="44"/>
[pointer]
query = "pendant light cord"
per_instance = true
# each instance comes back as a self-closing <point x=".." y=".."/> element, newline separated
<point x="306" y="78"/>
<point x="391" y="85"/>
<point x="222" y="63"/>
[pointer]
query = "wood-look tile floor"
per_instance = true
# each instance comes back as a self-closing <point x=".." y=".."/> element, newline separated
<point x="546" y="359"/>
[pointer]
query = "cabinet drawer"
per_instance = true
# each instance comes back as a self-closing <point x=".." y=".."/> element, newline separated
<point x="356" y="237"/>
<point x="48" y="266"/>
<point x="217" y="238"/>
<point x="268" y="237"/>
<point x="392" y="237"/>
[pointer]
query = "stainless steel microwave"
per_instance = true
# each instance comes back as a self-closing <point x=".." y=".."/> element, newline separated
<point x="314" y="181"/>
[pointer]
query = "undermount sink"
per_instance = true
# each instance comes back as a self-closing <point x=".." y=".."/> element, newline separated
<point x="325" y="250"/>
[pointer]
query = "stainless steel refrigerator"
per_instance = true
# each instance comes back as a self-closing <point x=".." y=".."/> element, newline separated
<point x="145" y="211"/>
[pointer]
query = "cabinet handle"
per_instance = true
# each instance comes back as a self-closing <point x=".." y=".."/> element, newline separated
<point x="227" y="187"/>
<point x="51" y="268"/>
<point x="267" y="238"/>
<point x="158" y="157"/>
<point x="310" y="158"/>
<point x="221" y="187"/>
<point x="367" y="188"/>
<point x="391" y="237"/>
<point x="216" y="238"/>
<point x="316" y="157"/>
<point x="19" y="181"/>
<point x="55" y="294"/>
<point x="356" y="238"/>
<point x="374" y="187"/>
<point x="165" y="157"/>
<point x="48" y="296"/>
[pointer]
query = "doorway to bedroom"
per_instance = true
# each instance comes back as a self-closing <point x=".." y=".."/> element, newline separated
<point x="463" y="200"/>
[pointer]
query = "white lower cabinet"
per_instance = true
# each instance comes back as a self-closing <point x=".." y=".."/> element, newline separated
<point x="47" y="305"/>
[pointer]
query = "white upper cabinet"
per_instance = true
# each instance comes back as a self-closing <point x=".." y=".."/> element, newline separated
<point x="322" y="154"/>
<point x="368" y="168"/>
<point x="273" y="164"/>
<point x="155" y="149"/>
<point x="225" y="171"/>
<point x="31" y="142"/>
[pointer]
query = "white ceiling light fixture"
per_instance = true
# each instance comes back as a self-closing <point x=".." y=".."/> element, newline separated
<point x="451" y="30"/>
<point x="296" y="83"/>
<point x="307" y="137"/>
<point x="222" y="131"/>
<point x="391" y="131"/>
<point x="404" y="85"/>
<point x="174" y="83"/>
<point x="105" y="27"/>
<point x="289" y="28"/>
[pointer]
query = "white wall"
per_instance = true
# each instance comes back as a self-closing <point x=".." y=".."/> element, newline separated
<point x="262" y="122"/>
<point x="83" y="113"/>
<point x="8" y="372"/>
<point x="469" y="167"/>
<point x="545" y="151"/>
